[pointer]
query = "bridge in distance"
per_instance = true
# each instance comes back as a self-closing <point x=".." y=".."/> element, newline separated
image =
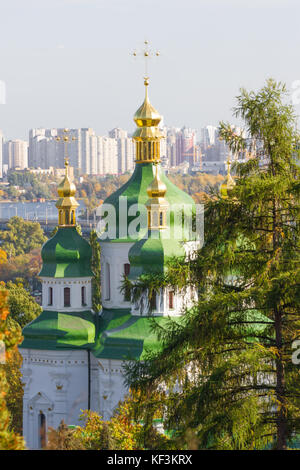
<point x="49" y="225"/>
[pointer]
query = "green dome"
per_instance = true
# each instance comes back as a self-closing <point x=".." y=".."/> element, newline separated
<point x="60" y="330"/>
<point x="136" y="192"/>
<point x="149" y="256"/>
<point x="67" y="254"/>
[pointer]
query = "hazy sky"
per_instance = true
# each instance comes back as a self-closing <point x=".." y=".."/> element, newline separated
<point x="68" y="63"/>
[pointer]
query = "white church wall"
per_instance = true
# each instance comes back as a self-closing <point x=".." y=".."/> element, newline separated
<point x="56" y="384"/>
<point x="111" y="386"/>
<point x="116" y="256"/>
<point x="58" y="285"/>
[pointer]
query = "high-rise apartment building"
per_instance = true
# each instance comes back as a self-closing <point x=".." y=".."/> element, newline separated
<point x="126" y="149"/>
<point x="186" y="146"/>
<point x="107" y="155"/>
<point x="15" y="154"/>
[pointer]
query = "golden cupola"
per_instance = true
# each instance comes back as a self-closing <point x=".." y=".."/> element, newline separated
<point x="67" y="203"/>
<point x="147" y="135"/>
<point x="157" y="206"/>
<point x="229" y="182"/>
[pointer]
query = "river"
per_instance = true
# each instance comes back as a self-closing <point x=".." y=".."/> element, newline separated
<point x="32" y="210"/>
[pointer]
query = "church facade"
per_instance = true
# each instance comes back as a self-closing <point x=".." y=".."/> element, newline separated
<point x="72" y="356"/>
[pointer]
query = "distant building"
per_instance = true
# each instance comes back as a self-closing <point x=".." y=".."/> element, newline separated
<point x="88" y="153"/>
<point x="126" y="149"/>
<point x="15" y="154"/>
<point x="186" y="146"/>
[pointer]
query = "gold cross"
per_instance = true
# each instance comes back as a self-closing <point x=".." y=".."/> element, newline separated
<point x="66" y="139"/>
<point x="147" y="53"/>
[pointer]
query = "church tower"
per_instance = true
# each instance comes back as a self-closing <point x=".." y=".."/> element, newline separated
<point x="73" y="357"/>
<point x="56" y="346"/>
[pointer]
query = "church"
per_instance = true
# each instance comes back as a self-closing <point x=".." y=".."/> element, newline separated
<point x="72" y="356"/>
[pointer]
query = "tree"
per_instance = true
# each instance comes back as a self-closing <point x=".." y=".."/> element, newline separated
<point x="3" y="256"/>
<point x="21" y="236"/>
<point x="15" y="386"/>
<point x="25" y="266"/>
<point x="10" y="337"/>
<point x="227" y="363"/>
<point x="23" y="308"/>
<point x="121" y="432"/>
<point x="96" y="268"/>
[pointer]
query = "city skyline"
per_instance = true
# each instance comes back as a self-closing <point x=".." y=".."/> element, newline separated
<point x="87" y="77"/>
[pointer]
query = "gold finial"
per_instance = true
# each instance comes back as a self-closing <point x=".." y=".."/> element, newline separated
<point x="147" y="136"/>
<point x="229" y="182"/>
<point x="157" y="206"/>
<point x="67" y="203"/>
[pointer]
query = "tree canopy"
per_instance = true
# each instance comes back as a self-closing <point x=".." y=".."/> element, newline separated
<point x="21" y="236"/>
<point x="225" y="374"/>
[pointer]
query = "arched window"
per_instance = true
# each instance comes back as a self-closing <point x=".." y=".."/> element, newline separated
<point x="50" y="296"/>
<point x="67" y="297"/>
<point x="107" y="279"/>
<point x="153" y="301"/>
<point x="83" y="295"/>
<point x="67" y="221"/>
<point x="161" y="220"/>
<point x="126" y="274"/>
<point x="171" y="299"/>
<point x="42" y="430"/>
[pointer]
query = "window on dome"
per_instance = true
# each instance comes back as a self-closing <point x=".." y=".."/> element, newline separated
<point x="171" y="299"/>
<point x="107" y="278"/>
<point x="126" y="274"/>
<point x="67" y="217"/>
<point x="67" y="297"/>
<point x="83" y="295"/>
<point x="153" y="301"/>
<point x="161" y="219"/>
<point x="42" y="430"/>
<point x="50" y="296"/>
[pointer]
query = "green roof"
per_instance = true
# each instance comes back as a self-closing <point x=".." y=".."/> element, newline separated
<point x="67" y="254"/>
<point x="136" y="192"/>
<point x="123" y="336"/>
<point x="57" y="330"/>
<point x="116" y="334"/>
<point x="149" y="256"/>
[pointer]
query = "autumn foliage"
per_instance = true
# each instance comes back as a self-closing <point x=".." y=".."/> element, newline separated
<point x="10" y="337"/>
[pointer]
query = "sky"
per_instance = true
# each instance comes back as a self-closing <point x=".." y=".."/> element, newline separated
<point x="69" y="63"/>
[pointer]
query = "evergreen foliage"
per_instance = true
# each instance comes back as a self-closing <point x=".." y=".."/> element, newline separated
<point x="96" y="268"/>
<point x="225" y="375"/>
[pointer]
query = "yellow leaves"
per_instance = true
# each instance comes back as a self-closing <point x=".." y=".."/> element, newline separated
<point x="274" y="351"/>
<point x="3" y="315"/>
<point x="3" y="256"/>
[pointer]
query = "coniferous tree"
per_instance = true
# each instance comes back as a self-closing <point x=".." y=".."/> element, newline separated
<point x="96" y="268"/>
<point x="227" y="364"/>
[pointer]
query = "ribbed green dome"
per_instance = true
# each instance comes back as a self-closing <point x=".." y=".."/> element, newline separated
<point x="67" y="254"/>
<point x="150" y="255"/>
<point x="136" y="192"/>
